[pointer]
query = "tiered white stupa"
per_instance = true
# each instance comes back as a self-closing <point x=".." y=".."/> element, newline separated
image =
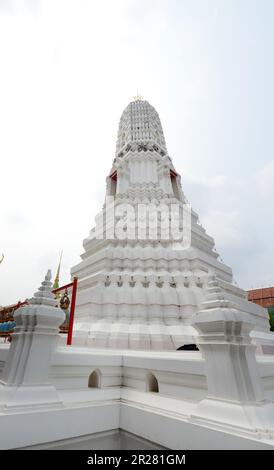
<point x="142" y="292"/>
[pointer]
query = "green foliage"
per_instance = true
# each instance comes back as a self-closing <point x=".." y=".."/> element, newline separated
<point x="271" y="317"/>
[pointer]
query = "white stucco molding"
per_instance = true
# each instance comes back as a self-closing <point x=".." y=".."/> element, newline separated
<point x="236" y="397"/>
<point x="24" y="381"/>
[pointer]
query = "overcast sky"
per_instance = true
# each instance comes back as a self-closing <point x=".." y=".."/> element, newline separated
<point x="69" y="68"/>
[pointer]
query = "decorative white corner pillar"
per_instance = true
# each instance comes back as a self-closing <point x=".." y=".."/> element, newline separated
<point x="24" y="381"/>
<point x="236" y="399"/>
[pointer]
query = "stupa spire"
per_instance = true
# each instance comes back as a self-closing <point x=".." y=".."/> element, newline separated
<point x="140" y="123"/>
<point x="137" y="288"/>
<point x="56" y="280"/>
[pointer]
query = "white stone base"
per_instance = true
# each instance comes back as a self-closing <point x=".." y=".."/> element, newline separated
<point x="247" y="420"/>
<point x="264" y="341"/>
<point x="13" y="399"/>
<point x="149" y="416"/>
<point x="178" y="417"/>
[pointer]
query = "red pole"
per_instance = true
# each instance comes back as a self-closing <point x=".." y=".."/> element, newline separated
<point x="62" y="288"/>
<point x="72" y="308"/>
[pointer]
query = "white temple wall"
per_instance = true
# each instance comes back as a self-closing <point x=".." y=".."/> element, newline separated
<point x="178" y="385"/>
<point x="77" y="377"/>
<point x="4" y="350"/>
<point x="180" y="374"/>
<point x="266" y="366"/>
<point x="122" y="400"/>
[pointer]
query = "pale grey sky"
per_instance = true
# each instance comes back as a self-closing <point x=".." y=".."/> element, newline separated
<point x="69" y="68"/>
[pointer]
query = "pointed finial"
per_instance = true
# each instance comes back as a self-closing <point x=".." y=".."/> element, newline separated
<point x="44" y="296"/>
<point x="56" y="280"/>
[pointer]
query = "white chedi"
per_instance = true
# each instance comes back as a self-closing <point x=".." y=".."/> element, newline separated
<point x="139" y="289"/>
<point x="25" y="377"/>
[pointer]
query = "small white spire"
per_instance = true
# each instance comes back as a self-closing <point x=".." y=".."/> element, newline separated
<point x="44" y="296"/>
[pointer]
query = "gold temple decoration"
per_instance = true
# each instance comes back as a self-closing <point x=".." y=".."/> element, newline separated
<point x="64" y="301"/>
<point x="138" y="97"/>
<point x="64" y="305"/>
<point x="56" y="280"/>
